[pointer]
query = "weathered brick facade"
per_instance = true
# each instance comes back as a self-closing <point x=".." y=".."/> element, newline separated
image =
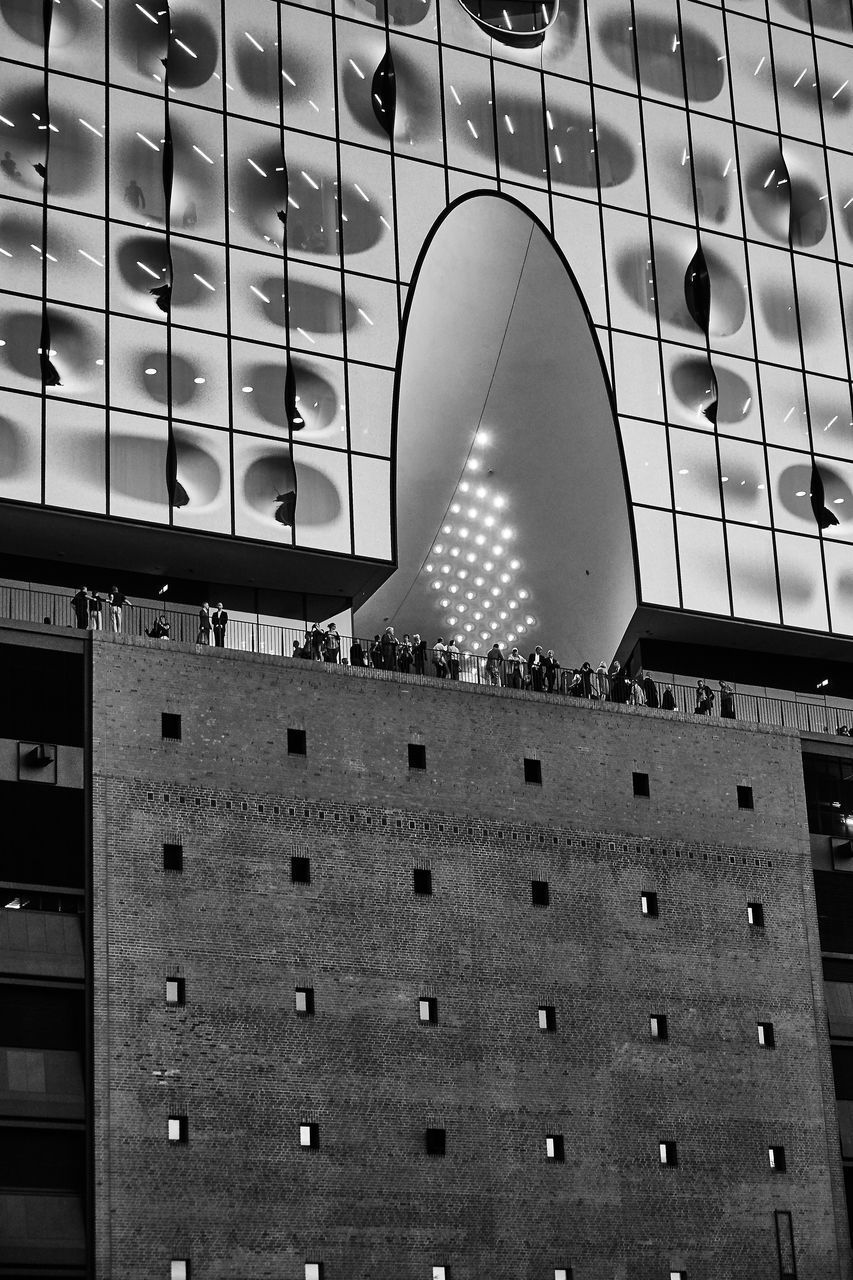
<point x="241" y="1199"/>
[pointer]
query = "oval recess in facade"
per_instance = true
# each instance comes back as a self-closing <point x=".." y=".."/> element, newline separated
<point x="521" y="23"/>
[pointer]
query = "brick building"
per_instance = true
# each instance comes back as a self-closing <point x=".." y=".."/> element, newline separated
<point x="382" y="974"/>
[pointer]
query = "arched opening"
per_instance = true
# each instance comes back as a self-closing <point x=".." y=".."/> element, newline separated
<point x="512" y="516"/>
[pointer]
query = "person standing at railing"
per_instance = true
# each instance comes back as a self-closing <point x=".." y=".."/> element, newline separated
<point x="405" y="655"/>
<point x="494" y="665"/>
<point x="332" y="644"/>
<point x="376" y="653"/>
<point x="117" y="600"/>
<point x="704" y="699"/>
<point x="727" y="701"/>
<point x="204" y="625"/>
<point x="453" y="659"/>
<point x="552" y="671"/>
<point x="356" y="655"/>
<point x="439" y="660"/>
<point x="618" y="684"/>
<point x="668" y="699"/>
<point x="80" y="605"/>
<point x="96" y="604"/>
<point x="515" y="666"/>
<point x="389" y="645"/>
<point x="219" y="620"/>
<point x="536" y="669"/>
<point x="650" y="689"/>
<point x="419" y="648"/>
<point x="602" y="680"/>
<point x="318" y="638"/>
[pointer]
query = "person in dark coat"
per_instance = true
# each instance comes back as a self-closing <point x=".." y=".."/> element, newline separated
<point x="376" y="652"/>
<point x="619" y="686"/>
<point x="419" y="654"/>
<point x="356" y="655"/>
<point x="204" y="625"/>
<point x="704" y="699"/>
<point x="552" y="670"/>
<point x="117" y="600"/>
<point x="650" y="689"/>
<point x="96" y="604"/>
<point x="668" y="699"/>
<point x="727" y="701"/>
<point x="586" y="679"/>
<point x="161" y="629"/>
<point x="219" y="622"/>
<point x="494" y="665"/>
<point x="318" y="639"/>
<point x="389" y="645"/>
<point x="331" y="644"/>
<point x="536" y="669"/>
<point x="80" y="605"/>
<point x="405" y="654"/>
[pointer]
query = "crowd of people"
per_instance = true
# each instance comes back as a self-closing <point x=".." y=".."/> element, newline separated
<point x="541" y="671"/>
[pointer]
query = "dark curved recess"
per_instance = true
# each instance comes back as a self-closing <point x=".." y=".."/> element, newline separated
<point x="187" y="262"/>
<point x="142" y="44"/>
<point x="258" y="69"/>
<point x="313" y="307"/>
<point x="74" y="158"/>
<point x="383" y="94"/>
<point x="417" y="112"/>
<point x="271" y="477"/>
<point x="312" y="214"/>
<point x="397" y="13"/>
<point x="728" y="303"/>
<point x="571" y="131"/>
<point x="318" y="401"/>
<point x="824" y="518"/>
<point x="819" y="485"/>
<point x="660" y="64"/>
<point x="522" y="24"/>
<point x="75" y="344"/>
<point x="155" y="385"/>
<point x="691" y="383"/>
<point x="26" y="21"/>
<point x="697" y="290"/>
<point x="784" y="203"/>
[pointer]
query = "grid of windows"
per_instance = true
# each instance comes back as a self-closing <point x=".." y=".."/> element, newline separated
<point x="710" y="165"/>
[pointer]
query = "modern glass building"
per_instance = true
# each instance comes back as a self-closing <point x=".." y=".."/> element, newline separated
<point x="601" y="252"/>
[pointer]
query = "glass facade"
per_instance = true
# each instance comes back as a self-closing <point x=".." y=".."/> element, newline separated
<point x="693" y="159"/>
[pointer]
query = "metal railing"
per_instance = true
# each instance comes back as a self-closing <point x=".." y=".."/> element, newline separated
<point x="27" y="604"/>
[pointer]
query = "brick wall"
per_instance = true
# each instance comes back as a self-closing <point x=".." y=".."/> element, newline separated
<point x="241" y="1199"/>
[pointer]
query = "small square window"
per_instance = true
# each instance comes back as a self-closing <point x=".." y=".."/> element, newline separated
<point x="303" y="1000"/>
<point x="554" y="1148"/>
<point x="309" y="1136"/>
<point x="417" y="755"/>
<point x="313" y="1271"/>
<point x="766" y="1035"/>
<point x="435" y="1141"/>
<point x="547" y="1017"/>
<point x="179" y="1269"/>
<point x="176" y="991"/>
<point x="540" y="893"/>
<point x="173" y="857"/>
<point x="297" y="742"/>
<point x="533" y="771"/>
<point x="170" y="725"/>
<point x="776" y="1156"/>
<point x="422" y="881"/>
<point x="178" y="1128"/>
<point x="668" y="1152"/>
<point x="300" y="869"/>
<point x="755" y="914"/>
<point x="649" y="903"/>
<point x="641" y="784"/>
<point x="428" y="1009"/>
<point x="658" y="1029"/>
<point x="744" y="798"/>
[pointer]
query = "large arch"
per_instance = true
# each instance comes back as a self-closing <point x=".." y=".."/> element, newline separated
<point x="501" y="387"/>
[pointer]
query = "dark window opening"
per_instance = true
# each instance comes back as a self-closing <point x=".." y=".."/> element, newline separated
<point x="176" y="991"/>
<point x="658" y="1026"/>
<point x="422" y="881"/>
<point x="649" y="903"/>
<point x="744" y="798"/>
<point x="428" y="1009"/>
<point x="547" y="1017"/>
<point x="540" y="893"/>
<point x="303" y="1001"/>
<point x="309" y="1136"/>
<point x="767" y="1036"/>
<point x="170" y="725"/>
<point x="668" y="1153"/>
<point x="297" y="742"/>
<point x="641" y="784"/>
<point x="178" y="1128"/>
<point x="300" y="869"/>
<point x="173" y="857"/>
<point x="776" y="1157"/>
<point x="533" y="771"/>
<point x="755" y="915"/>
<point x="417" y="755"/>
<point x="435" y="1141"/>
<point x="554" y="1147"/>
